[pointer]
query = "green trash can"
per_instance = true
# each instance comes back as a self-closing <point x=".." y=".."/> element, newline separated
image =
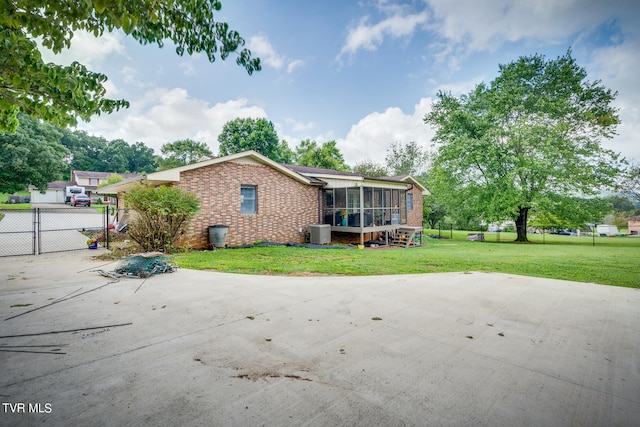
<point x="217" y="236"/>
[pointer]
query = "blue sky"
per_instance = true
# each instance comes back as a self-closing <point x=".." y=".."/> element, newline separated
<point x="362" y="73"/>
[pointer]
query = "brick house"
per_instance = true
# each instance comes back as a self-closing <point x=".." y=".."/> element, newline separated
<point x="634" y="225"/>
<point x="262" y="200"/>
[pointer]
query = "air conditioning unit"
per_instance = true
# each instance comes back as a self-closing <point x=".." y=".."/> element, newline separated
<point x="320" y="234"/>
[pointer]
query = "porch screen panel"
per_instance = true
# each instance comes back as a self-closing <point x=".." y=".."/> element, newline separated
<point x="328" y="199"/>
<point x="386" y="203"/>
<point x="368" y="206"/>
<point x="353" y="200"/>
<point x="403" y="207"/>
<point x="378" y="213"/>
<point x="340" y="198"/>
<point x="340" y="216"/>
<point x="328" y="207"/>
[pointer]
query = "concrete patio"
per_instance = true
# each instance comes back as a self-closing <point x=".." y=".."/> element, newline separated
<point x="206" y="348"/>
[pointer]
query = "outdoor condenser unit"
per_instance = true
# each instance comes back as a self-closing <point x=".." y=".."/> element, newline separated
<point x="320" y="234"/>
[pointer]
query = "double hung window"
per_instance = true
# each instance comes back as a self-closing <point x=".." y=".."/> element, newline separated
<point x="248" y="200"/>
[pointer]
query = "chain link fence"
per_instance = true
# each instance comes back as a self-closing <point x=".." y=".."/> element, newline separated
<point x="546" y="234"/>
<point x="44" y="230"/>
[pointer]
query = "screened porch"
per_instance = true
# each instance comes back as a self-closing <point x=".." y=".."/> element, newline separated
<point x="365" y="209"/>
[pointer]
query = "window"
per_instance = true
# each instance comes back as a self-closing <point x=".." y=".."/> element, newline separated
<point x="248" y="205"/>
<point x="409" y="201"/>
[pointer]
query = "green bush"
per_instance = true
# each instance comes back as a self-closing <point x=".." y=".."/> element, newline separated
<point x="161" y="213"/>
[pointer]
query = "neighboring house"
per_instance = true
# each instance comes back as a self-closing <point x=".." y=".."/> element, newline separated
<point x="634" y="225"/>
<point x="262" y="200"/>
<point x="91" y="180"/>
<point x="53" y="194"/>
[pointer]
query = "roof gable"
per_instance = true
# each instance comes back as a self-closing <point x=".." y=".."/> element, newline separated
<point x="173" y="175"/>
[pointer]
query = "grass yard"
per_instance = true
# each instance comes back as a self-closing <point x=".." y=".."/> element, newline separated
<point x="613" y="261"/>
<point x="4" y="197"/>
<point x="15" y="206"/>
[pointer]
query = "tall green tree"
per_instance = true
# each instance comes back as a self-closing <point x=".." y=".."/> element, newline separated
<point x="326" y="156"/>
<point x="433" y="210"/>
<point x="370" y="168"/>
<point x="631" y="181"/>
<point x="61" y="94"/>
<point x="95" y="153"/>
<point x="32" y="155"/>
<point x="114" y="178"/>
<point x="114" y="157"/>
<point x="407" y="159"/>
<point x="182" y="152"/>
<point x="141" y="158"/>
<point x="85" y="151"/>
<point x="530" y="136"/>
<point x="259" y="135"/>
<point x="285" y="153"/>
<point x="573" y="212"/>
<point x="621" y="203"/>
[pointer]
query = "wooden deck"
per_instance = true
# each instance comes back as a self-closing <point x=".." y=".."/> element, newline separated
<point x="402" y="235"/>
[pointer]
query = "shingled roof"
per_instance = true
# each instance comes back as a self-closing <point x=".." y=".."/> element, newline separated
<point x="102" y="175"/>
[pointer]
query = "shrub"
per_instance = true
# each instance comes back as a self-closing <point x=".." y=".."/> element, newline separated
<point x="161" y="213"/>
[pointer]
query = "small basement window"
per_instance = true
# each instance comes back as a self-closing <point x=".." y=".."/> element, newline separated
<point x="248" y="200"/>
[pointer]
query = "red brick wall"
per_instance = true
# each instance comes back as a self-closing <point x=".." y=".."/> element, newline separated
<point x="283" y="204"/>
<point x="415" y="216"/>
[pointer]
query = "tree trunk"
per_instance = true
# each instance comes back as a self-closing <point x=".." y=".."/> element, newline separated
<point x="521" y="224"/>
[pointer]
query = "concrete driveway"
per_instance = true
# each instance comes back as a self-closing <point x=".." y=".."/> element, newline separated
<point x="206" y="348"/>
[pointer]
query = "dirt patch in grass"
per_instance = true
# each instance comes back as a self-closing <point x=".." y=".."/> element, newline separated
<point x="119" y="250"/>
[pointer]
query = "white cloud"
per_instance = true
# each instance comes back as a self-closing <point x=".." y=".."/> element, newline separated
<point x="369" y="36"/>
<point x="298" y="126"/>
<point x="87" y="49"/>
<point x="617" y="67"/>
<point x="165" y="115"/>
<point x="294" y="64"/>
<point x="187" y="68"/>
<point x="372" y="135"/>
<point x="262" y="48"/>
<point x="484" y="25"/>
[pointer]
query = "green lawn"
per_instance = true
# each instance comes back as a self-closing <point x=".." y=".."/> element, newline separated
<point x="4" y="205"/>
<point x="15" y="206"/>
<point x="613" y="261"/>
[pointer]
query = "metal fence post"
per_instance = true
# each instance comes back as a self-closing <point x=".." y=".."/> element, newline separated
<point x="34" y="231"/>
<point x="105" y="225"/>
<point x="38" y="224"/>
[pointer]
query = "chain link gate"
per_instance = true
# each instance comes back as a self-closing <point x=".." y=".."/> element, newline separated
<point x="45" y="230"/>
<point x="18" y="232"/>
